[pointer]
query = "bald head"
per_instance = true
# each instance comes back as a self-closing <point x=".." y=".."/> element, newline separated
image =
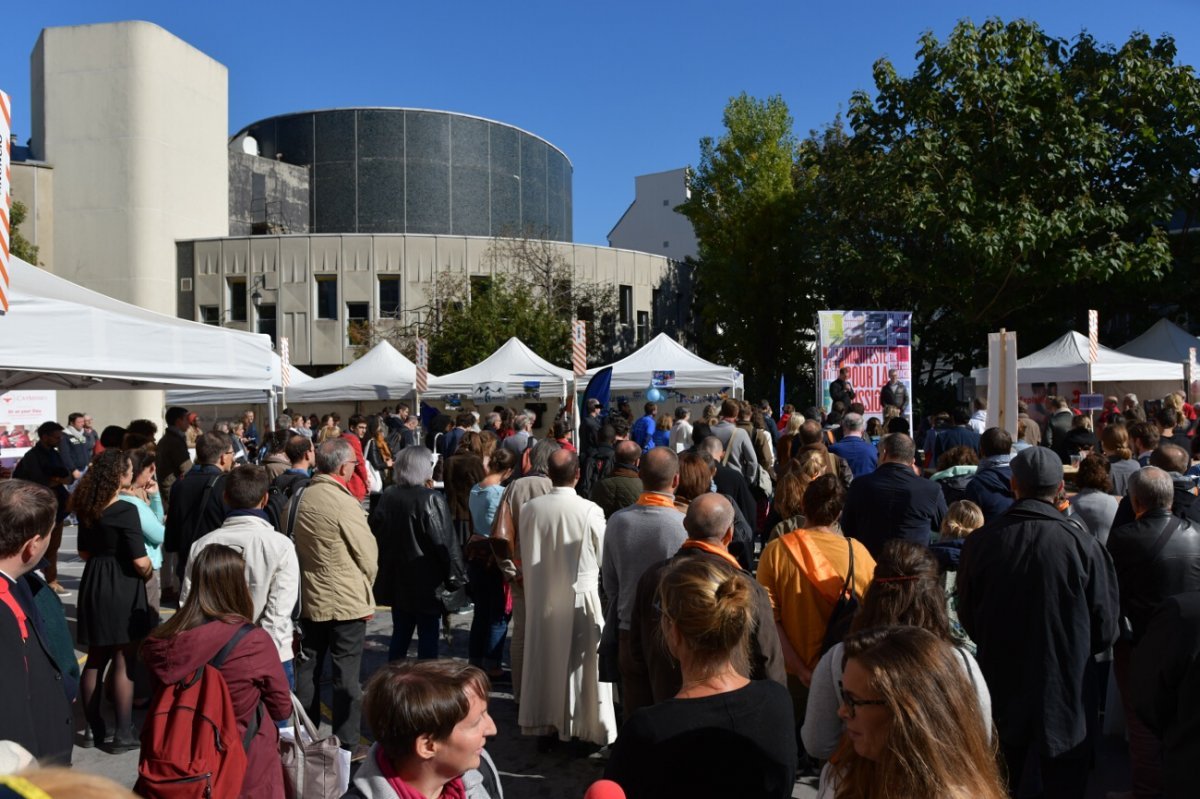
<point x="713" y="446"/>
<point x="709" y="516"/>
<point x="628" y="452"/>
<point x="1151" y="489"/>
<point x="1170" y="458"/>
<point x="563" y="468"/>
<point x="659" y="469"/>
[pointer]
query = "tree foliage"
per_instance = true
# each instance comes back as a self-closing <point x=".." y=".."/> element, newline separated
<point x="532" y="293"/>
<point x="1014" y="179"/>
<point x="18" y="244"/>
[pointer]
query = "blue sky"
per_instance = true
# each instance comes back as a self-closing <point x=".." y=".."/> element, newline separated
<point x="623" y="88"/>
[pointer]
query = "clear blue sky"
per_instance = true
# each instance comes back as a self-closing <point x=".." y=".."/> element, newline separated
<point x="624" y="88"/>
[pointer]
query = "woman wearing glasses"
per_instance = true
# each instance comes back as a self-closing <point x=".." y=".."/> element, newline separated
<point x="913" y="727"/>
<point x="722" y="734"/>
<point x="904" y="591"/>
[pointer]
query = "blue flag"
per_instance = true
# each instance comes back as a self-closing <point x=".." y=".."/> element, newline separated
<point x="782" y="398"/>
<point x="600" y="389"/>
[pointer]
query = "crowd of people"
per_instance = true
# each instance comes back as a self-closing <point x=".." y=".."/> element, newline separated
<point x="712" y="604"/>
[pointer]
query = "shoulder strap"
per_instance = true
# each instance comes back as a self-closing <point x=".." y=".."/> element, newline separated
<point x="729" y="449"/>
<point x="293" y="509"/>
<point x="219" y="659"/>
<point x="1165" y="536"/>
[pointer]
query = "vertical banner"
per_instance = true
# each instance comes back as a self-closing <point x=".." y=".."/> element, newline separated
<point x="5" y="196"/>
<point x="1002" y="381"/>
<point x="1093" y="336"/>
<point x="422" y="366"/>
<point x="285" y="363"/>
<point x="869" y="344"/>
<point x="579" y="347"/>
<point x="1193" y="377"/>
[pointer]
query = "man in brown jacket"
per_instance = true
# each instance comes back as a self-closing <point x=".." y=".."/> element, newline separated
<point x="338" y="563"/>
<point x="623" y="487"/>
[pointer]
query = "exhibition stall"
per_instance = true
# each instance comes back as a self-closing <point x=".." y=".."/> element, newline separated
<point x="666" y="364"/>
<point x="512" y="372"/>
<point x="1163" y="341"/>
<point x="383" y="373"/>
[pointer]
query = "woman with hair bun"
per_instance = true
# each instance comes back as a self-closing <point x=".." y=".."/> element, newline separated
<point x="913" y="727"/>
<point x="722" y="734"/>
<point x="906" y="590"/>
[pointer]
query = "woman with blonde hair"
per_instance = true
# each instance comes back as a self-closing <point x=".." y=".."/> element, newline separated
<point x="1114" y="443"/>
<point x="789" y="442"/>
<point x="787" y="513"/>
<point x="913" y="727"/>
<point x="722" y="734"/>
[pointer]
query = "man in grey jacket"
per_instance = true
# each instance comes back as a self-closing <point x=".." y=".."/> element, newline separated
<point x="736" y="442"/>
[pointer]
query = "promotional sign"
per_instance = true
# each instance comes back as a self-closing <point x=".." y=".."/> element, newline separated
<point x="1002" y="386"/>
<point x="1091" y="402"/>
<point x="422" y="366"/>
<point x="488" y="392"/>
<point x="663" y="379"/>
<point x="21" y="412"/>
<point x="869" y="344"/>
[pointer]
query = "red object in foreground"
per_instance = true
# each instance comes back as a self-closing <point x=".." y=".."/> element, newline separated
<point x="604" y="789"/>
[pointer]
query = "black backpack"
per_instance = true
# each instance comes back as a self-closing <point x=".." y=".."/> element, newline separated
<point x="599" y="465"/>
<point x="843" y="610"/>
<point x="282" y="489"/>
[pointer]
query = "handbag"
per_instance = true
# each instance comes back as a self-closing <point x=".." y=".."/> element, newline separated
<point x="313" y="768"/>
<point x="374" y="478"/>
<point x="452" y="600"/>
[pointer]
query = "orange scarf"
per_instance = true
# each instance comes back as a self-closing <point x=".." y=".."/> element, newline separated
<point x="654" y="499"/>
<point x="813" y="564"/>
<point x="712" y="549"/>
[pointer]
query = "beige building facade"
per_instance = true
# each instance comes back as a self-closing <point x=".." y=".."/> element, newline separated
<point x="312" y="288"/>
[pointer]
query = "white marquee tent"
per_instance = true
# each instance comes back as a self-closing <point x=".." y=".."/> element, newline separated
<point x="664" y="354"/>
<point x="509" y="372"/>
<point x="58" y="335"/>
<point x="1065" y="360"/>
<point x="1164" y="341"/>
<point x="192" y="397"/>
<point x="382" y="373"/>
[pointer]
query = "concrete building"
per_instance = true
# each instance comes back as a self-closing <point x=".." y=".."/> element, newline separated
<point x="134" y="122"/>
<point x="315" y="289"/>
<point x="33" y="186"/>
<point x="651" y="223"/>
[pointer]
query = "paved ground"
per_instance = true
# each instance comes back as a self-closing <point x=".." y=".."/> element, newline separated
<point x="526" y="773"/>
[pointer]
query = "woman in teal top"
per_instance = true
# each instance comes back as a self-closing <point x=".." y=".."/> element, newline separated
<point x="486" y="585"/>
<point x="143" y="495"/>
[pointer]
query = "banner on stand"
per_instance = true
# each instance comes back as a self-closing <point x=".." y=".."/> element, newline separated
<point x="21" y="412"/>
<point x="869" y="344"/>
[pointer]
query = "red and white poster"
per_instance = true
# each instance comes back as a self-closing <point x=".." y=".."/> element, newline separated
<point x="21" y="412"/>
<point x="869" y="344"/>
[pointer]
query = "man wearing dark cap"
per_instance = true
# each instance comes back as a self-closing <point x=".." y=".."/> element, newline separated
<point x="1038" y="594"/>
<point x="44" y="465"/>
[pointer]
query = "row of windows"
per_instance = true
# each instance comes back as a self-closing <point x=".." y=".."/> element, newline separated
<point x="325" y="288"/>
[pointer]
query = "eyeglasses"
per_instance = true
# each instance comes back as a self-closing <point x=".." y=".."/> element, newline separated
<point x="852" y="704"/>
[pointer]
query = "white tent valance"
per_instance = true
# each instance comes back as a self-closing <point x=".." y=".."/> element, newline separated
<point x="664" y="354"/>
<point x="511" y="371"/>
<point x="382" y="373"/>
<point x="1164" y="341"/>
<point x="202" y="396"/>
<point x="1066" y="360"/>
<point x="58" y="335"/>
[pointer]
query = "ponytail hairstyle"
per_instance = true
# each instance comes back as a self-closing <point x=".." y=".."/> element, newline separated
<point x="962" y="518"/>
<point x="711" y="607"/>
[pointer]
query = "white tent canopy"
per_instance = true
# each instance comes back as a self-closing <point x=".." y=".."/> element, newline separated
<point x="382" y="373"/>
<point x="1164" y="341"/>
<point x="664" y="354"/>
<point x="191" y="397"/>
<point x="507" y="372"/>
<point x="1065" y="360"/>
<point x="58" y="335"/>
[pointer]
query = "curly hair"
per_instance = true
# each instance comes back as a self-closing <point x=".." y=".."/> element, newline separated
<point x="99" y="484"/>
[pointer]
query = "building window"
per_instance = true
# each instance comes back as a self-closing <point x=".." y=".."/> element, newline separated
<point x="267" y="321"/>
<point x="358" y="323"/>
<point x="643" y="327"/>
<point x="327" y="306"/>
<point x="666" y="202"/>
<point x="626" y="309"/>
<point x="666" y="244"/>
<point x="209" y="315"/>
<point x="236" y="298"/>
<point x="656" y="309"/>
<point x="389" y="297"/>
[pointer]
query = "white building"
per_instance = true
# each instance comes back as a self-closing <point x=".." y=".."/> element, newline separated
<point x="651" y="223"/>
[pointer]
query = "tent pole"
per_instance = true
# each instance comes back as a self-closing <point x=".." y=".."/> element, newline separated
<point x="271" y="409"/>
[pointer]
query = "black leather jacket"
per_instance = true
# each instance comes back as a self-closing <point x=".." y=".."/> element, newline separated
<point x="1146" y="579"/>
<point x="418" y="551"/>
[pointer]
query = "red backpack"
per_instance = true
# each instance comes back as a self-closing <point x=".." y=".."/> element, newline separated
<point x="190" y="743"/>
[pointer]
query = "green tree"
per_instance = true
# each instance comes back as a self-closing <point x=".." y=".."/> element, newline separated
<point x="18" y="244"/>
<point x="1012" y="180"/>
<point x="752" y="307"/>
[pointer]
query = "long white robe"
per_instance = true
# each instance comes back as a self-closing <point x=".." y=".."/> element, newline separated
<point x="562" y="540"/>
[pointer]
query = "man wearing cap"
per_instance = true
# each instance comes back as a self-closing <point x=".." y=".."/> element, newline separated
<point x="44" y="465"/>
<point x="589" y="427"/>
<point x="1038" y="594"/>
